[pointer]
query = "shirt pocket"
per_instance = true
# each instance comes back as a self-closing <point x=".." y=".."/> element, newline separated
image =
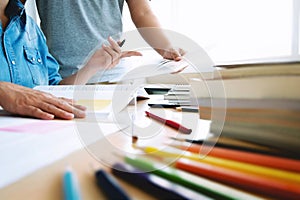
<point x="36" y="67"/>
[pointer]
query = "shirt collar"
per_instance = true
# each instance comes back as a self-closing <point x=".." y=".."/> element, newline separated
<point x="15" y="8"/>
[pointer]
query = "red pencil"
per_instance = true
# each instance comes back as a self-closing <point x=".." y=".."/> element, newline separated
<point x="254" y="158"/>
<point x="250" y="182"/>
<point x="170" y="123"/>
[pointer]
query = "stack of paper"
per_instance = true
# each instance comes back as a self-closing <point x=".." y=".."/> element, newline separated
<point x="179" y="94"/>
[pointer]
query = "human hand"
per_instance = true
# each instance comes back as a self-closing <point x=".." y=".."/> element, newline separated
<point x="172" y="54"/>
<point x="28" y="102"/>
<point x="109" y="56"/>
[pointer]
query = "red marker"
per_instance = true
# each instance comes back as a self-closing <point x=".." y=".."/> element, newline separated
<point x="170" y="123"/>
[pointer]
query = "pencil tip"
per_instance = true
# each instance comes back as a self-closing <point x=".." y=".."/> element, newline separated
<point x="134" y="139"/>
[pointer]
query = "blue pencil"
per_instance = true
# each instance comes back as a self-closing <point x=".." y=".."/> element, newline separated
<point x="71" y="188"/>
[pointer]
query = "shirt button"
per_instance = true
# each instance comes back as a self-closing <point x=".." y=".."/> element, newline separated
<point x="39" y="60"/>
<point x="13" y="62"/>
<point x="32" y="59"/>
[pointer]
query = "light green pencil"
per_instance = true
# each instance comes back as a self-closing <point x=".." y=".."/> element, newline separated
<point x="197" y="183"/>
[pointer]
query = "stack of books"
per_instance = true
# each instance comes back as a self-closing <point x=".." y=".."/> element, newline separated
<point x="273" y="123"/>
<point x="249" y="81"/>
<point x="258" y="103"/>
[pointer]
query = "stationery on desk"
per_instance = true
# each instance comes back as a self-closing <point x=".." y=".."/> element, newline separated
<point x="109" y="186"/>
<point x="154" y="185"/>
<point x="227" y="163"/>
<point x="41" y="136"/>
<point x="251" y="182"/>
<point x="271" y="182"/>
<point x="170" y="123"/>
<point x="151" y="64"/>
<point x="223" y="174"/>
<point x="122" y="43"/>
<point x="188" y="109"/>
<point x="71" y="186"/>
<point x="201" y="185"/>
<point x="97" y="98"/>
<point x="168" y="95"/>
<point x="244" y="156"/>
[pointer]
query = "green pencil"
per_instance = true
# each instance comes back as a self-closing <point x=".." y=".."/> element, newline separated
<point x="197" y="183"/>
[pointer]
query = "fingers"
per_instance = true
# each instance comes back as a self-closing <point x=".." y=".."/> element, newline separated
<point x="113" y="56"/>
<point x="54" y="107"/>
<point x="182" y="52"/>
<point x="114" y="45"/>
<point x="63" y="112"/>
<point x="37" y="113"/>
<point x="113" y="50"/>
<point x="70" y="101"/>
<point x="115" y="53"/>
<point x="28" y="102"/>
<point x="174" y="54"/>
<point x="130" y="53"/>
<point x="180" y="70"/>
<point x="44" y="111"/>
<point x="62" y="109"/>
<point x="80" y="107"/>
<point x="73" y="103"/>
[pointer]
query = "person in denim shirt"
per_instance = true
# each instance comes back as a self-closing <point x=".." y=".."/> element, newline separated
<point x="26" y="63"/>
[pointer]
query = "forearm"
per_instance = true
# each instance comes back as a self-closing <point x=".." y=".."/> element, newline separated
<point x="148" y="25"/>
<point x="154" y="35"/>
<point x="79" y="78"/>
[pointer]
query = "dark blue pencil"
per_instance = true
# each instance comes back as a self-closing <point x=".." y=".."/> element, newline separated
<point x="109" y="186"/>
<point x="156" y="186"/>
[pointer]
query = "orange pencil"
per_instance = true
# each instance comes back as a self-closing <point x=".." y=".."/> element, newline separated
<point x="242" y="156"/>
<point x="262" y="185"/>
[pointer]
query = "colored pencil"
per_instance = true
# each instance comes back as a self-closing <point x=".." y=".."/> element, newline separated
<point x="70" y="185"/>
<point x="170" y="123"/>
<point x="240" y="166"/>
<point x="262" y="185"/>
<point x="110" y="186"/>
<point x="154" y="185"/>
<point x="243" y="156"/>
<point x="202" y="185"/>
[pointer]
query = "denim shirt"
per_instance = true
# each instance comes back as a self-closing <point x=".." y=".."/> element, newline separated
<point x="24" y="56"/>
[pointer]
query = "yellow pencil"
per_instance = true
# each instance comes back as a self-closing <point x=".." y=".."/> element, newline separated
<point x="241" y="166"/>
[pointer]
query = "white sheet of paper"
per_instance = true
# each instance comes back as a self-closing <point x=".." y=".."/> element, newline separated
<point x="139" y="67"/>
<point x="97" y="98"/>
<point x="29" y="144"/>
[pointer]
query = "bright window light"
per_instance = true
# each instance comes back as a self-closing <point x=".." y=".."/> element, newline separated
<point x="232" y="30"/>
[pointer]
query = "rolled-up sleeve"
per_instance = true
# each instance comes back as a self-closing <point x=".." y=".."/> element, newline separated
<point x="52" y="65"/>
